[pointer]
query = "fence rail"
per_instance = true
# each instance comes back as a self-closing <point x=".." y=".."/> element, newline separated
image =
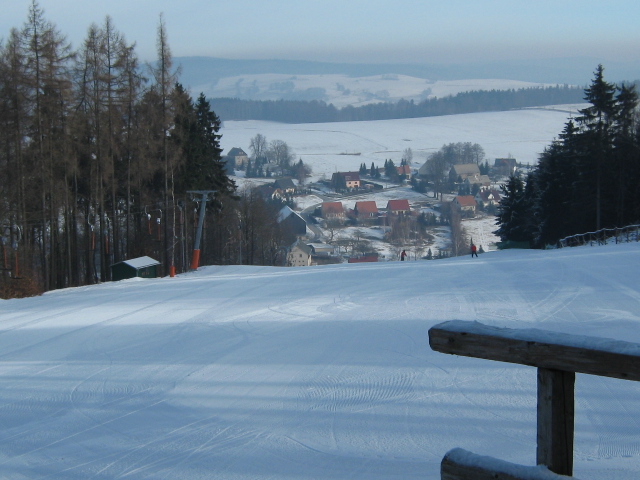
<point x="459" y="464"/>
<point x="558" y="357"/>
<point x="604" y="236"/>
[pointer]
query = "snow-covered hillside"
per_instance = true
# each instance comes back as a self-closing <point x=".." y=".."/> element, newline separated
<point x="313" y="373"/>
<point x="343" y="146"/>
<point x="342" y="90"/>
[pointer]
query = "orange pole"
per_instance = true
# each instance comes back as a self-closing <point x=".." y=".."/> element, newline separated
<point x="195" y="260"/>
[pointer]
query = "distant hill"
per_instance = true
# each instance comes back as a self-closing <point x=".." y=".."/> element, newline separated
<point x="303" y="91"/>
<point x="343" y="90"/>
<point x="317" y="110"/>
<point x="576" y="71"/>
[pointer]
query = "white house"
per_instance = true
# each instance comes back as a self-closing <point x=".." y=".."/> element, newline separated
<point x="299" y="255"/>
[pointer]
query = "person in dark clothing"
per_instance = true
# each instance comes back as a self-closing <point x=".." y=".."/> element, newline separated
<point x="474" y="250"/>
<point x="402" y="255"/>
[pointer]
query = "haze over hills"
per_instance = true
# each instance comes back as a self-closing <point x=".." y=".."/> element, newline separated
<point x="577" y="71"/>
<point x="343" y="90"/>
<point x="247" y="89"/>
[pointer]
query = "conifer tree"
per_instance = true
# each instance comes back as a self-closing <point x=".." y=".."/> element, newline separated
<point x="390" y="170"/>
<point x="596" y="123"/>
<point x="558" y="203"/>
<point x="513" y="211"/>
<point x="586" y="179"/>
<point x="625" y="162"/>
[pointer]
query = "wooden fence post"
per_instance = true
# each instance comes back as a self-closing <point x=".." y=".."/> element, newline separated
<point x="556" y="420"/>
<point x="558" y="357"/>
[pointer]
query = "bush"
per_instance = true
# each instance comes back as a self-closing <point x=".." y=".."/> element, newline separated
<point x="20" y="287"/>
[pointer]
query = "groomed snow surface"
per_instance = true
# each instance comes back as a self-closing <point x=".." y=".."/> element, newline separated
<point x="326" y="373"/>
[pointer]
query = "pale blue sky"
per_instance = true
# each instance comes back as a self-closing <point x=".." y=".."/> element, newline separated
<point x="371" y="31"/>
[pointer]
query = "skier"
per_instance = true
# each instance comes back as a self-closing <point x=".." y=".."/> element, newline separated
<point x="474" y="250"/>
<point x="402" y="255"/>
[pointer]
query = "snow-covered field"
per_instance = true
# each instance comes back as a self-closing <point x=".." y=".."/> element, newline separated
<point x="312" y="373"/>
<point x="343" y="146"/>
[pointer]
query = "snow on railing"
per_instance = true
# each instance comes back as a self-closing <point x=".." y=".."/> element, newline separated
<point x="558" y="357"/>
<point x="604" y="236"/>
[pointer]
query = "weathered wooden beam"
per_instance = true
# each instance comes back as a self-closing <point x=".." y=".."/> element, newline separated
<point x="459" y="464"/>
<point x="539" y="348"/>
<point x="556" y="420"/>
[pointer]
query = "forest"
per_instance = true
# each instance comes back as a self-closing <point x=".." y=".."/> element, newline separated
<point x="588" y="179"/>
<point x="103" y="159"/>
<point x="293" y="111"/>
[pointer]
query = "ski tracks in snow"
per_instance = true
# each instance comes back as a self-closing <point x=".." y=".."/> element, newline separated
<point x="611" y="417"/>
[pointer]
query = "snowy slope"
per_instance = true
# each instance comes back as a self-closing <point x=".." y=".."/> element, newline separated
<point x="312" y="373"/>
<point x="342" y="90"/>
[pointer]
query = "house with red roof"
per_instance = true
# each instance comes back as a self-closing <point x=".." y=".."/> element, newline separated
<point x="465" y="204"/>
<point x="333" y="211"/>
<point x="404" y="170"/>
<point x="398" y="207"/>
<point x="366" y="211"/>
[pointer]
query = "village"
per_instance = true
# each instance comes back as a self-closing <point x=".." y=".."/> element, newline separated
<point x="371" y="216"/>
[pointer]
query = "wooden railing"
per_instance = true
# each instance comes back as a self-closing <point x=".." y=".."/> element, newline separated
<point x="558" y="358"/>
<point x="630" y="233"/>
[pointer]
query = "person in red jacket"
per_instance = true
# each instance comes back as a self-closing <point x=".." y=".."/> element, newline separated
<point x="474" y="250"/>
<point x="402" y="255"/>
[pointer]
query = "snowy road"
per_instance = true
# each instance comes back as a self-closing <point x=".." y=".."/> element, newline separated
<point x="311" y="373"/>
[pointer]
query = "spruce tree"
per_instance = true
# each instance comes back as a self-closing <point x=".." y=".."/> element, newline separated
<point x="596" y="123"/>
<point x="197" y="134"/>
<point x="558" y="204"/>
<point x="587" y="179"/>
<point x="624" y="163"/>
<point x="513" y="211"/>
<point x="390" y="170"/>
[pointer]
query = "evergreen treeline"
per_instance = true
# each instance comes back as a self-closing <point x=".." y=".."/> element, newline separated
<point x="96" y="162"/>
<point x="587" y="179"/>
<point x="289" y="111"/>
